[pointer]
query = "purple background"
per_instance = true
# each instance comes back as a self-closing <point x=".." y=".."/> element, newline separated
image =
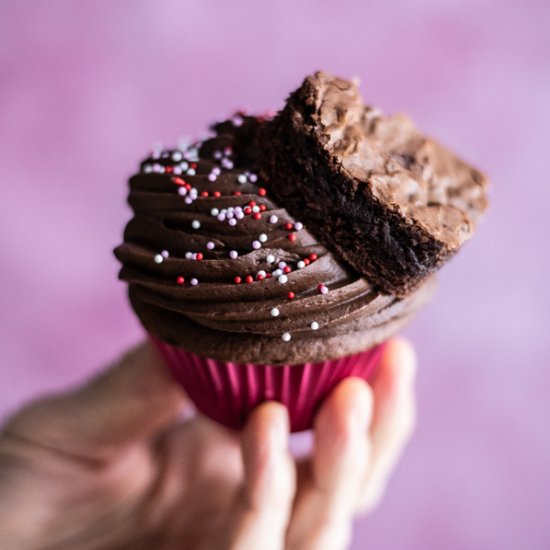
<point x="86" y="88"/>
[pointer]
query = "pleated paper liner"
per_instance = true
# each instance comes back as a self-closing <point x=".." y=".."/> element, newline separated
<point x="228" y="392"/>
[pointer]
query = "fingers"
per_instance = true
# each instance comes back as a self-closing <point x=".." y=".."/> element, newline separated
<point x="393" y="418"/>
<point x="261" y="513"/>
<point x="128" y="402"/>
<point x="324" y="506"/>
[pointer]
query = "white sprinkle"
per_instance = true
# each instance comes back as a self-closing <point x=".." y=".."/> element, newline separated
<point x="253" y="178"/>
<point x="214" y="212"/>
<point x="227" y="151"/>
<point x="287" y="337"/>
<point x="177" y="170"/>
<point x="158" y="258"/>
<point x="194" y="192"/>
<point x="270" y="259"/>
<point x="277" y="272"/>
<point x="273" y="219"/>
<point x="281" y="265"/>
<point x="242" y="178"/>
<point x="177" y="156"/>
<point x="232" y="222"/>
<point x="314" y="325"/>
<point x="184" y="165"/>
<point x="263" y="238"/>
<point x="158" y="168"/>
<point x="226" y="163"/>
<point x="298" y="226"/>
<point x="282" y="278"/>
<point x="195" y="224"/>
<point x="233" y="254"/>
<point x="155" y="154"/>
<point x="300" y="264"/>
<point x="262" y="273"/>
<point x="189" y="255"/>
<point x="221" y="216"/>
<point x="182" y="191"/>
<point x="217" y="155"/>
<point x="165" y="253"/>
<point x="323" y="289"/>
<point x="255" y="209"/>
<point x="237" y="121"/>
<point x="194" y="281"/>
<point x="216" y="171"/>
<point x="239" y="215"/>
<point x="147" y="168"/>
<point x="210" y="245"/>
<point x="191" y="172"/>
<point x="256" y="245"/>
<point x="275" y="312"/>
<point x="188" y="200"/>
<point x="212" y="177"/>
<point x="230" y="213"/>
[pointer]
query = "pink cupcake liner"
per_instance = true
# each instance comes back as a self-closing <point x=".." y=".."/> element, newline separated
<point x="228" y="392"/>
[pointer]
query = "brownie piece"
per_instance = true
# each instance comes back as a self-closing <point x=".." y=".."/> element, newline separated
<point x="392" y="203"/>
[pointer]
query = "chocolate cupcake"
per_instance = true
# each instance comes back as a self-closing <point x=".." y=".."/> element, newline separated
<point x="242" y="300"/>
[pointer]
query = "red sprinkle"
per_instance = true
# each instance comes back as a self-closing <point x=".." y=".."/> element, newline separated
<point x="247" y="210"/>
<point x="291" y="237"/>
<point x="268" y="275"/>
<point x="237" y="193"/>
<point x="291" y="295"/>
<point x="252" y="204"/>
<point x="289" y="226"/>
<point x="193" y="165"/>
<point x="217" y="194"/>
<point x="306" y="261"/>
<point x="237" y="280"/>
<point x="204" y="193"/>
<point x="312" y="257"/>
<point x="199" y="256"/>
<point x="257" y="216"/>
<point x="180" y="280"/>
<point x="262" y="192"/>
<point x="263" y="208"/>
<point x="249" y="279"/>
<point x="178" y="181"/>
<point x="260" y="277"/>
<point x="287" y="269"/>
<point x="168" y="169"/>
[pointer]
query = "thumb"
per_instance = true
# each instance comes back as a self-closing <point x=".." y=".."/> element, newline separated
<point x="127" y="403"/>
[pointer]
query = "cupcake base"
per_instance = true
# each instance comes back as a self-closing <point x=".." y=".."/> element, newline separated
<point x="228" y="392"/>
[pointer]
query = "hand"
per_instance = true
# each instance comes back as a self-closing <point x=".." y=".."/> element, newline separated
<point x="113" y="465"/>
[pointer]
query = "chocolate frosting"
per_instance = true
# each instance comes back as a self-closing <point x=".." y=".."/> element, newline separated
<point x="214" y="265"/>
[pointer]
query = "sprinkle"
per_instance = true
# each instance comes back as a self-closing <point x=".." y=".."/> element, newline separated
<point x="177" y="156"/>
<point x="199" y="256"/>
<point x="306" y="261"/>
<point x="262" y="238"/>
<point x="256" y="245"/>
<point x="277" y="273"/>
<point x="270" y="259"/>
<point x="312" y="257"/>
<point x="273" y="219"/>
<point x="262" y="273"/>
<point x="314" y="325"/>
<point x="147" y="168"/>
<point x="323" y="289"/>
<point x="247" y="210"/>
<point x="176" y="170"/>
<point x="281" y="265"/>
<point x="288" y="226"/>
<point x="263" y="207"/>
<point x="242" y="178"/>
<point x="257" y="216"/>
<point x="261" y="191"/>
<point x="184" y="165"/>
<point x="212" y="177"/>
<point x="239" y="215"/>
<point x="275" y="312"/>
<point x="178" y="181"/>
<point x="165" y="254"/>
<point x="188" y="200"/>
<point x="221" y="216"/>
<point x="298" y="226"/>
<point x="237" y="193"/>
<point x="232" y="222"/>
<point x="204" y="193"/>
<point x="191" y="172"/>
<point x="216" y="194"/>
<point x="291" y="237"/>
<point x="214" y="212"/>
<point x="158" y="258"/>
<point x="283" y="279"/>
<point x="233" y="254"/>
<point x="255" y="209"/>
<point x="195" y="224"/>
<point x="260" y="277"/>
<point x="180" y="280"/>
<point x="210" y="245"/>
<point x="249" y="279"/>
<point x="168" y="169"/>
<point x="194" y="281"/>
<point x="217" y="155"/>
<point x="237" y="121"/>
<point x="300" y="264"/>
<point x="287" y="337"/>
<point x="182" y="191"/>
<point x="189" y="255"/>
<point x="287" y="269"/>
<point x="237" y="280"/>
<point x="291" y="295"/>
<point x="253" y="178"/>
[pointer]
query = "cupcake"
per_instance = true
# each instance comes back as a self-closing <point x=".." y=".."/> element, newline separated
<point x="244" y="302"/>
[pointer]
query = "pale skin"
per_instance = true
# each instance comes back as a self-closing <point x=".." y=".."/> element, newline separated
<point x="113" y="465"/>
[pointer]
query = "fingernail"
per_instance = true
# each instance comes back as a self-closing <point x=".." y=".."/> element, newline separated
<point x="280" y="428"/>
